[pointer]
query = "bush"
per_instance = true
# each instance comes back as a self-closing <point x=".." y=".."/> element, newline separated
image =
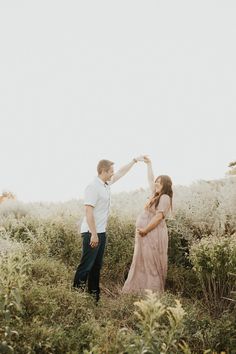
<point x="201" y="330"/>
<point x="159" y="328"/>
<point x="63" y="240"/>
<point x="12" y="280"/>
<point x="119" y="250"/>
<point x="180" y="236"/>
<point x="52" y="319"/>
<point x="214" y="258"/>
<point x="56" y="238"/>
<point x="183" y="281"/>
<point x="49" y="271"/>
<point x="21" y="229"/>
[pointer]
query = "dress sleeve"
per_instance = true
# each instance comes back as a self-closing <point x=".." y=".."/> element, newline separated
<point x="164" y="205"/>
<point x="90" y="196"/>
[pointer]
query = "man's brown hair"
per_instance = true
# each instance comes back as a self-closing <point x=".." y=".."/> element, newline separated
<point x="104" y="165"/>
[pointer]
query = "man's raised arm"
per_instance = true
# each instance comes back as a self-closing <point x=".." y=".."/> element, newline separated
<point x="123" y="170"/>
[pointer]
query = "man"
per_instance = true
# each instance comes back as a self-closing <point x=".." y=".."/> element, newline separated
<point x="93" y="228"/>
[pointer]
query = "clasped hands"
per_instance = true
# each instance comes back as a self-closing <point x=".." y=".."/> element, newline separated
<point x="143" y="158"/>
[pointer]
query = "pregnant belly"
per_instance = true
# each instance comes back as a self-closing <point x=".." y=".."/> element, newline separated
<point x="142" y="220"/>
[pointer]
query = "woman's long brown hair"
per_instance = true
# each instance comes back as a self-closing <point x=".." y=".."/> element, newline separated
<point x="166" y="189"/>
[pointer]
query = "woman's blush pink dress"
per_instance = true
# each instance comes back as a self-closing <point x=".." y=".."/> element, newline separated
<point x="149" y="265"/>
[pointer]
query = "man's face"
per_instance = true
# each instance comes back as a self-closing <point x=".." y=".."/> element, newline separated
<point x="109" y="173"/>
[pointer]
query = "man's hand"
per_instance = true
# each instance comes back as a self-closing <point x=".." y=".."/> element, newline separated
<point x="142" y="232"/>
<point x="94" y="240"/>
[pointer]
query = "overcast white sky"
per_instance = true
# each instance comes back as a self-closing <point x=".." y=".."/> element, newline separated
<point x="86" y="80"/>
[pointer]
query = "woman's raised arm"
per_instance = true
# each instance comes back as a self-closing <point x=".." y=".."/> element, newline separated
<point x="150" y="174"/>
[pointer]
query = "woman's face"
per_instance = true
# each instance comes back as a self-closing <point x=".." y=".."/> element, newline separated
<point x="158" y="185"/>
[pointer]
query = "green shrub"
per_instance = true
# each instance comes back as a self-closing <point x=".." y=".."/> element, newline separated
<point x="49" y="271"/>
<point x="183" y="281"/>
<point x="21" y="229"/>
<point x="214" y="258"/>
<point x="52" y="319"/>
<point x="55" y="236"/>
<point x="159" y="328"/>
<point x="12" y="280"/>
<point x="63" y="240"/>
<point x="119" y="250"/>
<point x="180" y="236"/>
<point x="201" y="330"/>
<point x="233" y="292"/>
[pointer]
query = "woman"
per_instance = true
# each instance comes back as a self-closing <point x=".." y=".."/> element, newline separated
<point x="149" y="265"/>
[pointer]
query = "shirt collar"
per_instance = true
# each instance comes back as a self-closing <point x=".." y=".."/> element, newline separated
<point x="101" y="181"/>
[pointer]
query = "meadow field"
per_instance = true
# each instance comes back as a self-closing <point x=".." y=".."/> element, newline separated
<point x="40" y="247"/>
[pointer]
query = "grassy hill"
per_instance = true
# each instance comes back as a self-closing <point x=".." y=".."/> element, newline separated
<point x="40" y="248"/>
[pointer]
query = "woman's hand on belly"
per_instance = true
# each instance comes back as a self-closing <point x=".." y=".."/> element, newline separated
<point x="141" y="232"/>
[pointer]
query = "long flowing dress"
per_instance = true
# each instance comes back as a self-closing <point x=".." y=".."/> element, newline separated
<point x="149" y="265"/>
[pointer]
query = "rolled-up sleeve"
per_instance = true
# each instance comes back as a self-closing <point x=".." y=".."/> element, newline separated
<point x="90" y="196"/>
<point x="164" y="205"/>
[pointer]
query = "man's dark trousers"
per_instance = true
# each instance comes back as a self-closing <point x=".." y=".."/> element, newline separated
<point x="90" y="264"/>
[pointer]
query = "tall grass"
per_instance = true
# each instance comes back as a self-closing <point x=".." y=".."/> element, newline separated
<point x="40" y="247"/>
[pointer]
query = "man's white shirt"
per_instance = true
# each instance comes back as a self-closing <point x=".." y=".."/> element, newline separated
<point x="98" y="195"/>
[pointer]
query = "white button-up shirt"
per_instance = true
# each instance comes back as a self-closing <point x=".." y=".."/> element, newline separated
<point x="98" y="195"/>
